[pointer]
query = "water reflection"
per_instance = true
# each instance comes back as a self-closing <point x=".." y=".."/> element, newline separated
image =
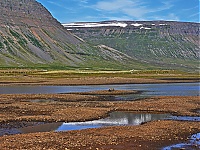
<point x="41" y="128"/>
<point x="184" y="118"/>
<point x="114" y="119"/>
<point x="192" y="144"/>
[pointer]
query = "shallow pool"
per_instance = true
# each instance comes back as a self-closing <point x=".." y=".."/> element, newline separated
<point x="117" y="118"/>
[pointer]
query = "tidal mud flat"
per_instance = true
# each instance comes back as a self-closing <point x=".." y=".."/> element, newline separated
<point x="30" y="110"/>
<point x="47" y="108"/>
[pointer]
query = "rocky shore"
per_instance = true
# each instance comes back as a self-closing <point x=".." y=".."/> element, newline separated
<point x="81" y="107"/>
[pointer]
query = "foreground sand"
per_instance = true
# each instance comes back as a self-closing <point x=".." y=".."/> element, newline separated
<point x="80" y="107"/>
<point x="153" y="135"/>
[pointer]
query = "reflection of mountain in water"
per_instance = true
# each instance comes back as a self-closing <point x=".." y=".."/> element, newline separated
<point x="121" y="118"/>
<point x="132" y="118"/>
<point x="41" y="128"/>
<point x="115" y="118"/>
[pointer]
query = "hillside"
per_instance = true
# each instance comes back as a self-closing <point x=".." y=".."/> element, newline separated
<point x="31" y="37"/>
<point x="165" y="44"/>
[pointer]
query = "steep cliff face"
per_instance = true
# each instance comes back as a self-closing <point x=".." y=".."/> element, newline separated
<point x="30" y="35"/>
<point x="161" y="43"/>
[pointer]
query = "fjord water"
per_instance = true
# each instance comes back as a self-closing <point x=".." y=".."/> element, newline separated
<point x="169" y="89"/>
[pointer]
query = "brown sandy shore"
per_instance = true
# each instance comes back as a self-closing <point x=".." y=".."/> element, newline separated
<point x="89" y="80"/>
<point x="77" y="107"/>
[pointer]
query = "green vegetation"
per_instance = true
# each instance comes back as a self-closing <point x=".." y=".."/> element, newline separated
<point x="10" y="40"/>
<point x="15" y="34"/>
<point x="153" y="49"/>
<point x="140" y="44"/>
<point x="34" y="41"/>
<point x="20" y="39"/>
<point x="1" y="45"/>
<point x="105" y="49"/>
<point x="22" y="42"/>
<point x="79" y="73"/>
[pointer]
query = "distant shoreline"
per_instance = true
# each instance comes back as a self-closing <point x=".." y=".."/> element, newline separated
<point x="91" y="81"/>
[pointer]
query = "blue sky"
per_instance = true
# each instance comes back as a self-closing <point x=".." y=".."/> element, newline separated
<point x="66" y="11"/>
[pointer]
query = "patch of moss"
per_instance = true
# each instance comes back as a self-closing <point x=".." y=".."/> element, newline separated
<point x="1" y="45"/>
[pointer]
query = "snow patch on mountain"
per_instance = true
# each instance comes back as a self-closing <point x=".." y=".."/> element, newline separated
<point x="88" y="25"/>
<point x="136" y="24"/>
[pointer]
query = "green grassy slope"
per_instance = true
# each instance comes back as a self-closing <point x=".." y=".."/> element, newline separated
<point x="173" y="46"/>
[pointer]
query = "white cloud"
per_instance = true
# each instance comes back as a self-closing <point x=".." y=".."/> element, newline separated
<point x="84" y="1"/>
<point x="136" y="9"/>
<point x="170" y="17"/>
<point x="114" y="5"/>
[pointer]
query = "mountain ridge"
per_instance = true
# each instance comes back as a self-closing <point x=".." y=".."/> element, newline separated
<point x="164" y="43"/>
<point x="31" y="37"/>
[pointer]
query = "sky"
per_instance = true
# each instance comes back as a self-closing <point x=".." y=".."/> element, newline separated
<point x="66" y="11"/>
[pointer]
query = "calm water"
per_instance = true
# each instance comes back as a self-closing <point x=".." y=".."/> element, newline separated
<point x="115" y="118"/>
<point x="170" y="89"/>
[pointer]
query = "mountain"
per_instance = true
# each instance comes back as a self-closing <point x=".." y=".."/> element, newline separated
<point x="165" y="44"/>
<point x="31" y="37"/>
<point x="28" y="32"/>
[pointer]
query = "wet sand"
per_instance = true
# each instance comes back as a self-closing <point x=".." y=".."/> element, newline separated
<point x="81" y="107"/>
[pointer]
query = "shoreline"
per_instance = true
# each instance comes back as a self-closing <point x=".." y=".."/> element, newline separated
<point x="92" y="81"/>
<point x="13" y="84"/>
<point x="152" y="135"/>
<point x="87" y="106"/>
